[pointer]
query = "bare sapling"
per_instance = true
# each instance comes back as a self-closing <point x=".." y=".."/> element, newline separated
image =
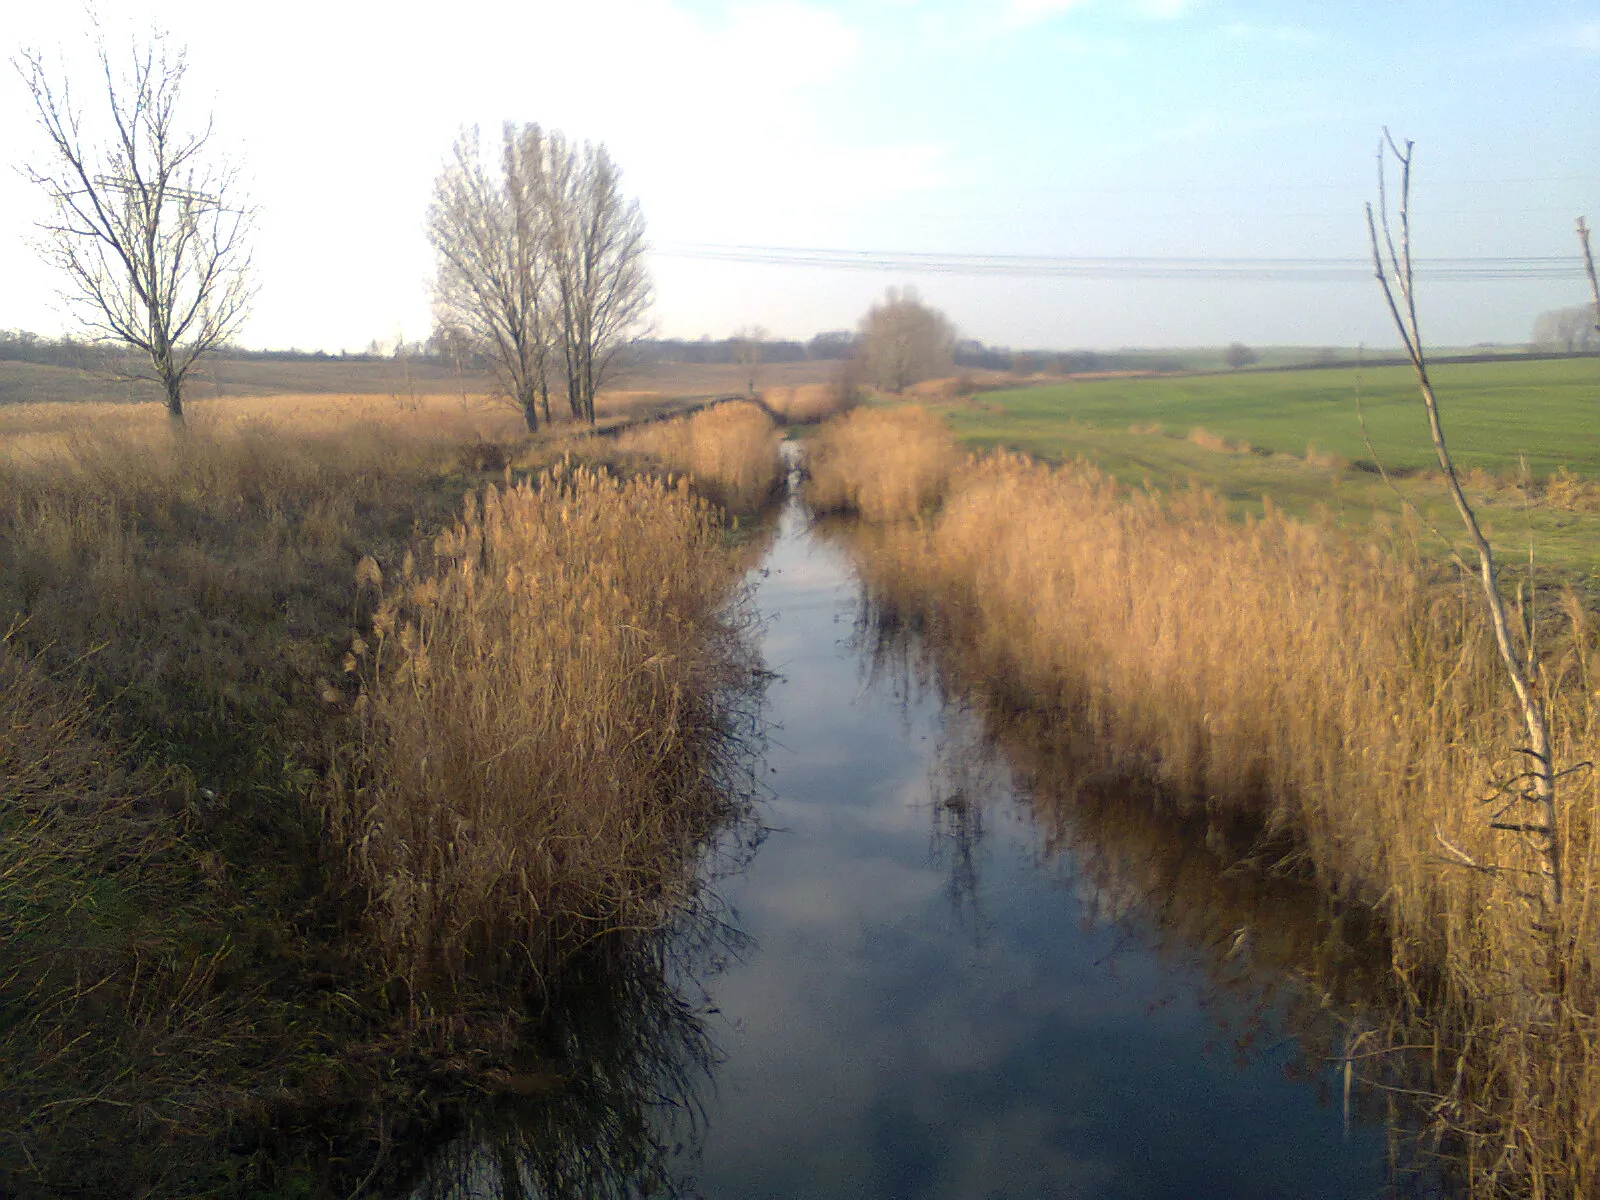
<point x="1588" y="265"/>
<point x="1532" y="792"/>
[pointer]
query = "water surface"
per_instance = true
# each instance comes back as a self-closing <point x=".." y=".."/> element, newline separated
<point x="937" y="1002"/>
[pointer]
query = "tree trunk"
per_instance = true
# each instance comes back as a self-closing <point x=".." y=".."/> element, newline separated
<point x="1588" y="265"/>
<point x="175" y="400"/>
<point x="528" y="401"/>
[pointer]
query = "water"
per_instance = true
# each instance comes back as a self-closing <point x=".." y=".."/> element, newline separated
<point x="947" y="987"/>
<point x="922" y="1016"/>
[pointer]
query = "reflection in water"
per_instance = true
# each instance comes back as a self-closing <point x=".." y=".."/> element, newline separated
<point x="626" y="1056"/>
<point x="1299" y="968"/>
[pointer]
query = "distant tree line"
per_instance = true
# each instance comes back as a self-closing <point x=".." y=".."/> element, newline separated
<point x="1567" y="329"/>
<point x="18" y="345"/>
<point x="834" y="345"/>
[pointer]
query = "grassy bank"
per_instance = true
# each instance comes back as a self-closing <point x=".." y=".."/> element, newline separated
<point x="1336" y="692"/>
<point x="319" y="782"/>
<point x="1294" y="436"/>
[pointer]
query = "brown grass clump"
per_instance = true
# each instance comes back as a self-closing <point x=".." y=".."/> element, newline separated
<point x="886" y="464"/>
<point x="1207" y="440"/>
<point x="1572" y="493"/>
<point x="809" y="403"/>
<point x="539" y="762"/>
<point x="1323" y="460"/>
<point x="935" y="390"/>
<point x="729" y="450"/>
<point x="1335" y="694"/>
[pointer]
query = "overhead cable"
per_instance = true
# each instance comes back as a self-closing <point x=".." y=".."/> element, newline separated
<point x="1112" y="267"/>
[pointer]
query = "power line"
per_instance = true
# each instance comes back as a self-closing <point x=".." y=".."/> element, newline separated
<point x="1039" y="266"/>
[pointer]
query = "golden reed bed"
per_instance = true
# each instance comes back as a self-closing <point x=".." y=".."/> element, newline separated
<point x="1342" y="693"/>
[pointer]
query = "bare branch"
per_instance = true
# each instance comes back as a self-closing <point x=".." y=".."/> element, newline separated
<point x="1395" y="276"/>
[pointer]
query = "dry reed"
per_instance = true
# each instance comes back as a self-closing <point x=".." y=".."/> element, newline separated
<point x="885" y="464"/>
<point x="730" y="451"/>
<point x="540" y="762"/>
<point x="173" y="696"/>
<point x="1333" y="692"/>
<point x="808" y="403"/>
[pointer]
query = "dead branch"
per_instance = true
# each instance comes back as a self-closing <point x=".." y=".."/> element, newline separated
<point x="1393" y="268"/>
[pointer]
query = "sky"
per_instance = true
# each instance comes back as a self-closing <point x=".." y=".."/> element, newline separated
<point x="1195" y="129"/>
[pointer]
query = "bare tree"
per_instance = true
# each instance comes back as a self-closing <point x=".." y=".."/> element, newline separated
<point x="149" y="227"/>
<point x="1536" y="787"/>
<point x="747" y="344"/>
<point x="597" y="247"/>
<point x="1588" y="264"/>
<point x="491" y="232"/>
<point x="1568" y="329"/>
<point x="904" y="341"/>
<point x="1239" y="355"/>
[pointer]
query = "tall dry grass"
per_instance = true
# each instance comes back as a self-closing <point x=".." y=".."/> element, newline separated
<point x="542" y="735"/>
<point x="808" y="403"/>
<point x="1337" y="694"/>
<point x="729" y="450"/>
<point x="885" y="464"/>
<point x="173" y="700"/>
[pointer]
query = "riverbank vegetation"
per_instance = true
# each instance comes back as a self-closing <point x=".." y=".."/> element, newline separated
<point x="729" y="450"/>
<point x="881" y="464"/>
<point x="1343" y="695"/>
<point x="327" y="756"/>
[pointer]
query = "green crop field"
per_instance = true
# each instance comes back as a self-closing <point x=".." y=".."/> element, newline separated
<point x="1295" y="436"/>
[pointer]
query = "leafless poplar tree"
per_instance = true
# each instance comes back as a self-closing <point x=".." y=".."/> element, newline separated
<point x="597" y="248"/>
<point x="540" y="264"/>
<point x="904" y="341"/>
<point x="491" y="232"/>
<point x="150" y="229"/>
<point x="1535" y="788"/>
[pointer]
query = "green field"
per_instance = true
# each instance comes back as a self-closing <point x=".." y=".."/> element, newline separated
<point x="1498" y="417"/>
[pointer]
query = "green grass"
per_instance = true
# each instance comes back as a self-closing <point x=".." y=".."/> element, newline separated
<point x="1497" y="416"/>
